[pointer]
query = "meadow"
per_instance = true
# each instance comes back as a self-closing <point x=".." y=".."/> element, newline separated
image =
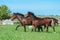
<point x="8" y="32"/>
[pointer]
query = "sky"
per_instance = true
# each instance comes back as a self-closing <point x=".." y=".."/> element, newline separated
<point x="38" y="7"/>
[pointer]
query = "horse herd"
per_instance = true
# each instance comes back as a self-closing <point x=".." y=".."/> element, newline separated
<point x="36" y="22"/>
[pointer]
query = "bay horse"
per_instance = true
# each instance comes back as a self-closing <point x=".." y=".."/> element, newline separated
<point x="21" y="19"/>
<point x="38" y="22"/>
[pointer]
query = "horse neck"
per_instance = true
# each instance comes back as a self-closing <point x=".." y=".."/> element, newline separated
<point x="32" y="17"/>
<point x="35" y="17"/>
<point x="20" y="18"/>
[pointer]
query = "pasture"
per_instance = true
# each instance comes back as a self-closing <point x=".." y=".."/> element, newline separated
<point x="8" y="32"/>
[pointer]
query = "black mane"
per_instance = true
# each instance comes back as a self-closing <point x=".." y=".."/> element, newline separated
<point x="19" y="14"/>
<point x="31" y="13"/>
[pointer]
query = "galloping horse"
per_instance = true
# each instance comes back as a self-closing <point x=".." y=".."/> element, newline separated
<point x="22" y="20"/>
<point x="38" y="22"/>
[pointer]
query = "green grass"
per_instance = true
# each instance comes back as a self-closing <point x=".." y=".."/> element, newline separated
<point x="8" y="32"/>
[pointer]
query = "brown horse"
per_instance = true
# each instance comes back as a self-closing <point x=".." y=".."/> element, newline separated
<point x="38" y="22"/>
<point x="22" y="20"/>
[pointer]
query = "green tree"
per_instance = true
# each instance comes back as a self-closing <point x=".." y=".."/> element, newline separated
<point x="4" y="12"/>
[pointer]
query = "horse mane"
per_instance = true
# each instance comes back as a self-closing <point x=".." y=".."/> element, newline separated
<point x="31" y="13"/>
<point x="19" y="14"/>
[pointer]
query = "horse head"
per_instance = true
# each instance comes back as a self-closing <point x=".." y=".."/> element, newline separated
<point x="13" y="16"/>
<point x="17" y="15"/>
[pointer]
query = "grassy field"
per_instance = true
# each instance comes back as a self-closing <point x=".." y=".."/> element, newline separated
<point x="8" y="32"/>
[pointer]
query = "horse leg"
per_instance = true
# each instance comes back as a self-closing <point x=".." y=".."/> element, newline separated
<point x="24" y="28"/>
<point x="41" y="29"/>
<point x="17" y="27"/>
<point x="46" y="28"/>
<point x="33" y="29"/>
<point x="54" y="29"/>
<point x="38" y="29"/>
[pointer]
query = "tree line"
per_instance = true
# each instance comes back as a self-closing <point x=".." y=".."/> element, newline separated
<point x="5" y="12"/>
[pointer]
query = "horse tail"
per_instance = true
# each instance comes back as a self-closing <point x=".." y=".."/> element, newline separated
<point x="52" y="23"/>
